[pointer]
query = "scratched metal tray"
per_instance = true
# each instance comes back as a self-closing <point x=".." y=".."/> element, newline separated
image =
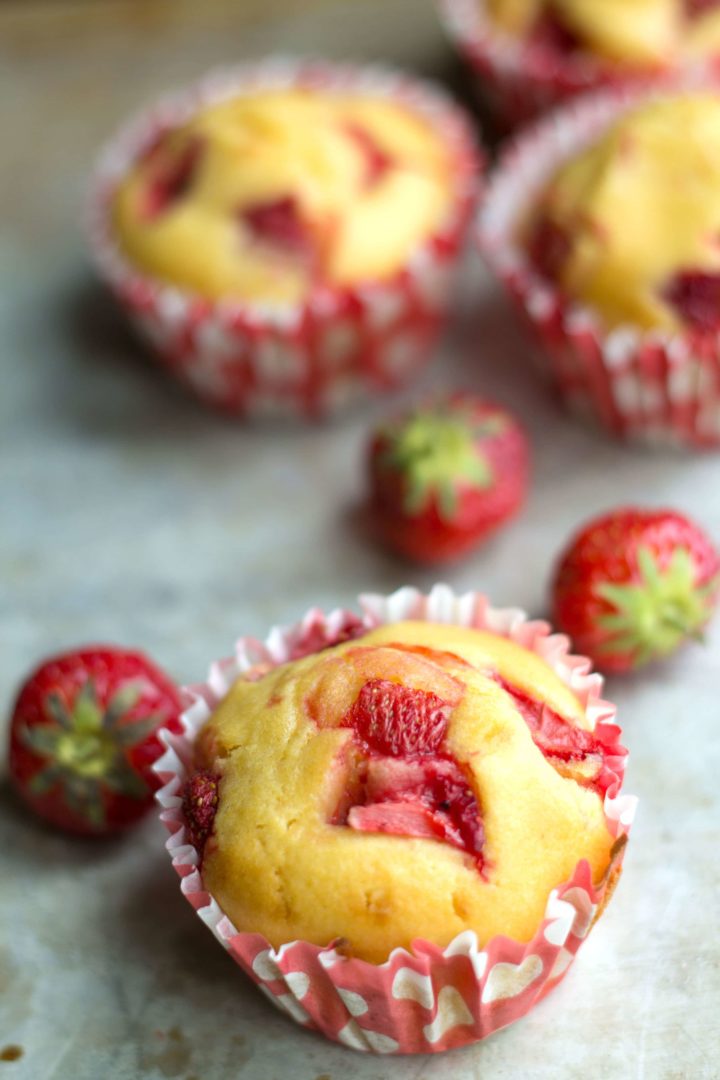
<point x="128" y="513"/>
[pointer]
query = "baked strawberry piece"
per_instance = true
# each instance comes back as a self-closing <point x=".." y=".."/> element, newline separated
<point x="407" y="783"/>
<point x="554" y="36"/>
<point x="84" y="736"/>
<point x="633" y="585"/>
<point x="695" y="296"/>
<point x="171" y="174"/>
<point x="200" y="802"/>
<point x="446" y="476"/>
<point x="573" y="751"/>
<point x="279" y="223"/>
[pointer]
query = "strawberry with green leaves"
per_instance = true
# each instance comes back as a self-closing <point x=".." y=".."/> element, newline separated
<point x="83" y="738"/>
<point x="633" y="585"/>
<point x="447" y="475"/>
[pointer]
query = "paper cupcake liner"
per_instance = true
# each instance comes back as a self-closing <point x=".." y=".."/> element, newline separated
<point x="519" y="79"/>
<point x="425" y="999"/>
<point x="340" y="343"/>
<point x="650" y="386"/>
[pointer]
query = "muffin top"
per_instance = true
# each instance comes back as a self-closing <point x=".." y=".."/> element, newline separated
<point x="631" y="225"/>
<point x="634" y="32"/>
<point x="263" y="196"/>
<point x="419" y="781"/>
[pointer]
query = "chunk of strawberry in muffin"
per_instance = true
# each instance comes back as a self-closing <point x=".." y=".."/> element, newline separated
<point x="407" y="784"/>
<point x="549" y="248"/>
<point x="695" y="296"/>
<point x="378" y="161"/>
<point x="695" y="8"/>
<point x="200" y="803"/>
<point x="171" y="176"/>
<point x="552" y="34"/>
<point x="427" y="796"/>
<point x="574" y="752"/>
<point x="279" y="223"/>
<point x="393" y="719"/>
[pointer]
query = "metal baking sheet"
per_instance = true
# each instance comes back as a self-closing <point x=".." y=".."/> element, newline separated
<point x="130" y="514"/>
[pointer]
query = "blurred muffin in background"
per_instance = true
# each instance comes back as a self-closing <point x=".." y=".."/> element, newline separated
<point x="631" y="224"/>
<point x="636" y="33"/>
<point x="532" y="54"/>
<point x="299" y="221"/>
<point x="263" y="197"/>
<point x="609" y="242"/>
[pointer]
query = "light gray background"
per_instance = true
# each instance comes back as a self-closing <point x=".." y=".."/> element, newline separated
<point x="129" y="514"/>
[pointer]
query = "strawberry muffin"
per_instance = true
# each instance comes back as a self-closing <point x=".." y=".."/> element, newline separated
<point x="636" y="33"/>
<point x="402" y="824"/>
<point x="289" y="229"/>
<point x="630" y="225"/>
<point x="532" y="54"/>
<point x="604" y="226"/>
<point x="268" y="195"/>
<point x="443" y="778"/>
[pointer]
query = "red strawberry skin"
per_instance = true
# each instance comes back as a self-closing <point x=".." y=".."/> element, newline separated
<point x="633" y="584"/>
<point x="398" y="721"/>
<point x="458" y="508"/>
<point x="83" y="738"/>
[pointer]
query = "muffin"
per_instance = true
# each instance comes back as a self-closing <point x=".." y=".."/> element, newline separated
<point x="630" y="225"/>
<point x="408" y="792"/>
<point x="532" y="54"/>
<point x="266" y="196"/>
<point x="284" y="232"/>
<point x="604" y="225"/>
<point x="633" y="33"/>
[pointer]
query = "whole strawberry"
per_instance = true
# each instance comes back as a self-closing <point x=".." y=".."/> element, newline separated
<point x="83" y="738"/>
<point x="633" y="585"/>
<point x="446" y="476"/>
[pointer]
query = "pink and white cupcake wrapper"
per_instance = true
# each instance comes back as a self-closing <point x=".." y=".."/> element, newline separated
<point x="341" y="343"/>
<point x="519" y="79"/>
<point x="651" y="386"/>
<point x="425" y="999"/>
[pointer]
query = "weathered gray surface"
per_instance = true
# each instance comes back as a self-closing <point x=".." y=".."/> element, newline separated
<point x="129" y="514"/>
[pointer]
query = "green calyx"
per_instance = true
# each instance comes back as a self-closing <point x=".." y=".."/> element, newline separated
<point x="437" y="452"/>
<point x="653" y="615"/>
<point x="86" y="750"/>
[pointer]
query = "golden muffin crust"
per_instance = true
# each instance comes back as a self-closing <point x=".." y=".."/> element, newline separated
<point x="264" y="195"/>
<point x="289" y="857"/>
<point x="634" y="32"/>
<point x="631" y="225"/>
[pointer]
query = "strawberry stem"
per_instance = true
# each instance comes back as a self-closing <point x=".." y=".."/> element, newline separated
<point x="437" y="452"/>
<point x="652" y="615"/>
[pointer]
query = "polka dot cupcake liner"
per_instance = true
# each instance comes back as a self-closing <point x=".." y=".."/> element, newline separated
<point x="340" y="344"/>
<point x="426" y="999"/>
<point x="517" y="78"/>
<point x="647" y="386"/>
